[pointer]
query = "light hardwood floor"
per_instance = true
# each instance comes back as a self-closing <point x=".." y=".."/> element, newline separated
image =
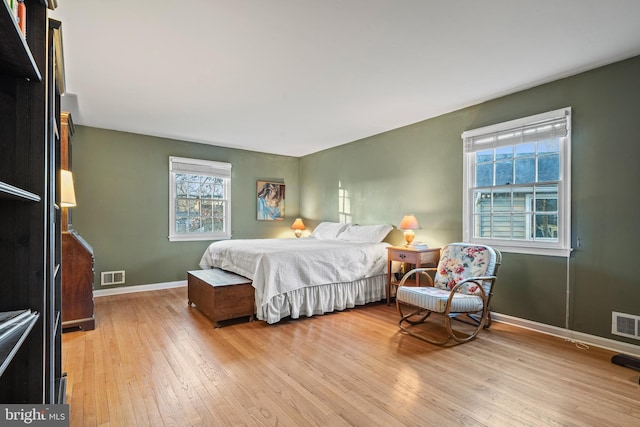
<point x="153" y="361"/>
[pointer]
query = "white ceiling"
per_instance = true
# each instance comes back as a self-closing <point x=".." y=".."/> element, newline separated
<point x="295" y="77"/>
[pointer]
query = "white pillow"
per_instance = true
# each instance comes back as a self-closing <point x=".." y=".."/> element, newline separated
<point x="329" y="230"/>
<point x="366" y="233"/>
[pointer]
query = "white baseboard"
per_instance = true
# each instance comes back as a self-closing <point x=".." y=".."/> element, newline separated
<point x="593" y="340"/>
<point x="138" y="288"/>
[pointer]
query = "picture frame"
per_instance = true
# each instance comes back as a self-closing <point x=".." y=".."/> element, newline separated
<point x="270" y="198"/>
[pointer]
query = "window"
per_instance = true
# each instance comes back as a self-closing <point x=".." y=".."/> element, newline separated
<point x="517" y="192"/>
<point x="199" y="199"/>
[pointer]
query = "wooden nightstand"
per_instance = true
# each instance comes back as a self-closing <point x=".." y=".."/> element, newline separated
<point x="418" y="257"/>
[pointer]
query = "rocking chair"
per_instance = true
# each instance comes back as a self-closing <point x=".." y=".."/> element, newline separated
<point x="461" y="291"/>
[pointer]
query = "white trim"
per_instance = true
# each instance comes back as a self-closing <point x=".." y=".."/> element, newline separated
<point x="605" y="343"/>
<point x="138" y="288"/>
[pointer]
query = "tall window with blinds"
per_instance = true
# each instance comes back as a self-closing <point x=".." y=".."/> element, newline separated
<point x="517" y="193"/>
<point x="199" y="199"/>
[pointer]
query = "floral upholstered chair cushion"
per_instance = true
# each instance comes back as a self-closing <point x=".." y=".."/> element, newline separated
<point x="460" y="261"/>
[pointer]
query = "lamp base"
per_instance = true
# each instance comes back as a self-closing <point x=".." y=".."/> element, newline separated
<point x="409" y="235"/>
<point x="298" y="233"/>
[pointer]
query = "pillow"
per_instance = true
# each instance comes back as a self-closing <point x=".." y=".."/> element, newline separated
<point x="328" y="230"/>
<point x="366" y="233"/>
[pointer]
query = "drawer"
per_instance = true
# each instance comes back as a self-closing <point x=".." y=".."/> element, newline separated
<point x="429" y="257"/>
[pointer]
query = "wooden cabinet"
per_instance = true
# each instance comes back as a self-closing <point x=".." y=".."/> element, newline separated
<point x="77" y="254"/>
<point x="30" y="352"/>
<point x="77" y="282"/>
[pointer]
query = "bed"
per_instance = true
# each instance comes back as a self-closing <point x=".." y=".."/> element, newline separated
<point x="339" y="266"/>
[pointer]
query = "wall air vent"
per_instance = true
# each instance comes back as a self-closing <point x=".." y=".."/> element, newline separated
<point x="626" y="325"/>
<point x="112" y="278"/>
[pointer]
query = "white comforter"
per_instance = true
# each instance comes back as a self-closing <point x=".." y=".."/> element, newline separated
<point x="277" y="266"/>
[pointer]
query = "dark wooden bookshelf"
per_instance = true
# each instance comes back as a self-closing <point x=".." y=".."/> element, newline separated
<point x="30" y="348"/>
<point x="8" y="191"/>
<point x="11" y="343"/>
<point x="15" y="55"/>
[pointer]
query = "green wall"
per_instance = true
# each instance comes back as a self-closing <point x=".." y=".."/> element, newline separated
<point x="418" y="169"/>
<point x="122" y="188"/>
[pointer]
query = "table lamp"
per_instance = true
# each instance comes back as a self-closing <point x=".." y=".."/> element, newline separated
<point x="67" y="191"/>
<point x="408" y="224"/>
<point x="298" y="226"/>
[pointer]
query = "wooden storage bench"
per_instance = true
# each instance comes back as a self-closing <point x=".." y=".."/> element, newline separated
<point x="220" y="295"/>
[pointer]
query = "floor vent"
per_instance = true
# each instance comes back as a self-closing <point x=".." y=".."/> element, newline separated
<point x="112" y="278"/>
<point x="626" y="325"/>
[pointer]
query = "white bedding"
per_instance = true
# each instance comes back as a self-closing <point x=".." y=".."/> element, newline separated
<point x="279" y="267"/>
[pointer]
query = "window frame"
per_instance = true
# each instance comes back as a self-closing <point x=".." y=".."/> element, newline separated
<point x="183" y="165"/>
<point x="562" y="247"/>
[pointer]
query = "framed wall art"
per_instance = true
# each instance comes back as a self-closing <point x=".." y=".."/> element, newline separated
<point x="270" y="197"/>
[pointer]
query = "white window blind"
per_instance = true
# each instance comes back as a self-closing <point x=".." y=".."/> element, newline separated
<point x="549" y="125"/>
<point x="200" y="167"/>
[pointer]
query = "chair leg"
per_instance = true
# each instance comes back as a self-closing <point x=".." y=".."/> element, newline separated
<point x="407" y="318"/>
<point x="476" y="318"/>
<point x="406" y="321"/>
<point x="409" y="331"/>
<point x="487" y="325"/>
<point x="478" y="327"/>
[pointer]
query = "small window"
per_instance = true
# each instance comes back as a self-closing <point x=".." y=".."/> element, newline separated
<point x="517" y="193"/>
<point x="199" y="199"/>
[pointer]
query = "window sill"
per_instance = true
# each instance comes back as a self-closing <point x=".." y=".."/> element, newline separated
<point x="197" y="238"/>
<point x="502" y="247"/>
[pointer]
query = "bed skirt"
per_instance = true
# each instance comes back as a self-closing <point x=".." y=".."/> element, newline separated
<point x="322" y="299"/>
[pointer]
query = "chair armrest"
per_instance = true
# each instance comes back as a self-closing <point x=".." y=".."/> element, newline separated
<point x="477" y="280"/>
<point x="418" y="271"/>
<point x="483" y="294"/>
